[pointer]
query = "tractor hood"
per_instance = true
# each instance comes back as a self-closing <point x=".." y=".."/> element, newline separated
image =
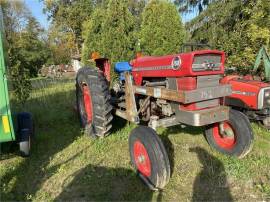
<point x="245" y="92"/>
<point x="254" y="84"/>
<point x="196" y="63"/>
<point x="245" y="83"/>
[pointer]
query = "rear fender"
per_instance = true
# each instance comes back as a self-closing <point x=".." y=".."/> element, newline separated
<point x="103" y="64"/>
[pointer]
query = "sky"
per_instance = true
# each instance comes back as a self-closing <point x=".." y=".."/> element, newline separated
<point x="36" y="7"/>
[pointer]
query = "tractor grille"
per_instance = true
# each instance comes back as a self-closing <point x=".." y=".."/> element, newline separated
<point x="206" y="62"/>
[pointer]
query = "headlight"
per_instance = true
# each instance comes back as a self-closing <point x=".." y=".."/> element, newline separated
<point x="264" y="98"/>
<point x="267" y="97"/>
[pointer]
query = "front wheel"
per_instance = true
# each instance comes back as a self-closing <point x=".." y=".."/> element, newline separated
<point x="149" y="157"/>
<point x="233" y="137"/>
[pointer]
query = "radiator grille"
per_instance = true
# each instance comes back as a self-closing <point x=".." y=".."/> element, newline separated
<point x="207" y="62"/>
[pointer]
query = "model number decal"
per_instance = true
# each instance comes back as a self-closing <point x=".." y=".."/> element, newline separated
<point x="244" y="93"/>
<point x="207" y="94"/>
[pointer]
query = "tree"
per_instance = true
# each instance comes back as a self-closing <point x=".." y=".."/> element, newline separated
<point x="118" y="36"/>
<point x="162" y="31"/>
<point x="26" y="49"/>
<point x="31" y="50"/>
<point x="192" y="5"/>
<point x="61" y="45"/>
<point x="68" y="16"/>
<point x="110" y="31"/>
<point x="93" y="35"/>
<point x="240" y="29"/>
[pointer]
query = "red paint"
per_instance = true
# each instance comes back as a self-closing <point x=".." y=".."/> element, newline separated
<point x="107" y="70"/>
<point x="224" y="142"/>
<point x="226" y="79"/>
<point x="184" y="70"/>
<point x="142" y="160"/>
<point x="87" y="103"/>
<point x="104" y="66"/>
<point x="187" y="83"/>
<point x="251" y="87"/>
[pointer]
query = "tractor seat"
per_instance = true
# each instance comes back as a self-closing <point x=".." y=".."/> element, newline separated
<point x="121" y="67"/>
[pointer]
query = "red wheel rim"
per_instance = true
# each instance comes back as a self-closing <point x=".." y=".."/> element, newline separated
<point x="142" y="160"/>
<point x="87" y="103"/>
<point x="224" y="141"/>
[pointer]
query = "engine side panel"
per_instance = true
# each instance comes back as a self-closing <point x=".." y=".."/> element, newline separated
<point x="244" y="93"/>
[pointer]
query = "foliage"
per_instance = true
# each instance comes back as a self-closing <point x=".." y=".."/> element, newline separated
<point x="111" y="32"/>
<point x="61" y="45"/>
<point x="187" y="6"/>
<point x="27" y="50"/>
<point x="92" y="34"/>
<point x="31" y="50"/>
<point x="240" y="29"/>
<point x="118" y="38"/>
<point x="21" y="83"/>
<point x="162" y="31"/>
<point x="68" y="17"/>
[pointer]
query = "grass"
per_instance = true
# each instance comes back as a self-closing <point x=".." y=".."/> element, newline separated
<point x="65" y="165"/>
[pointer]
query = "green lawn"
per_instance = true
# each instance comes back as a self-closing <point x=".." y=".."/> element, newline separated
<point x="65" y="165"/>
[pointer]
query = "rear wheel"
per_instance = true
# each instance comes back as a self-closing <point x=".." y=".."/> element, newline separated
<point x="149" y="157"/>
<point x="235" y="138"/>
<point x="93" y="102"/>
<point x="25" y="133"/>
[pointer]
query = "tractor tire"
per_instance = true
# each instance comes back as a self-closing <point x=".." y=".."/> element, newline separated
<point x="149" y="157"/>
<point x="25" y="133"/>
<point x="238" y="138"/>
<point x="93" y="102"/>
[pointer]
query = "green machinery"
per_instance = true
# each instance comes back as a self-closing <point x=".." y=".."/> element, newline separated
<point x="22" y="131"/>
<point x="263" y="57"/>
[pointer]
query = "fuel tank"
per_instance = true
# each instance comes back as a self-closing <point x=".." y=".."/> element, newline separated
<point x="197" y="63"/>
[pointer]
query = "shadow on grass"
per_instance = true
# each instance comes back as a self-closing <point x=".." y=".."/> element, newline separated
<point x="118" y="124"/>
<point x="56" y="127"/>
<point x="187" y="130"/>
<point x="211" y="183"/>
<point x="170" y="150"/>
<point x="97" y="183"/>
<point x="175" y="130"/>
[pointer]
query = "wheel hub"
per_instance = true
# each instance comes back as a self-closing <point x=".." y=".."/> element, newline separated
<point x="229" y="133"/>
<point x="142" y="159"/>
<point x="224" y="135"/>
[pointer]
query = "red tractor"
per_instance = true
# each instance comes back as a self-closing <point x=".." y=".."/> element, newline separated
<point x="181" y="89"/>
<point x="249" y="96"/>
<point x="250" y="93"/>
